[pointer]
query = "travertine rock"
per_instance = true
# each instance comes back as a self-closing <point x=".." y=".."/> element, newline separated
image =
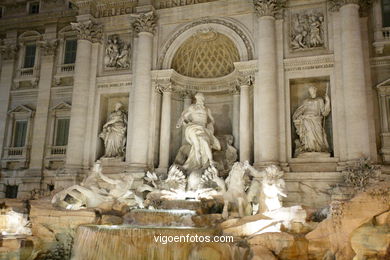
<point x="335" y="232"/>
<point x="370" y="240"/>
<point x="283" y="245"/>
<point x="111" y="220"/>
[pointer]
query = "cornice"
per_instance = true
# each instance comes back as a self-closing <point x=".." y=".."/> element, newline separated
<point x="308" y="63"/>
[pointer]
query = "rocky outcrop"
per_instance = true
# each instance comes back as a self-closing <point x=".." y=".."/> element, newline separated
<point x="54" y="229"/>
<point x="341" y="233"/>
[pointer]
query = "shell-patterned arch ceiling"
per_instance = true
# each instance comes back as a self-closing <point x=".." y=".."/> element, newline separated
<point x="207" y="54"/>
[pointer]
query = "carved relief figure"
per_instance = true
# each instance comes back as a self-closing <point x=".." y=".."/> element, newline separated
<point x="117" y="53"/>
<point x="199" y="133"/>
<point x="309" y="123"/>
<point x="307" y="30"/>
<point x="114" y="132"/>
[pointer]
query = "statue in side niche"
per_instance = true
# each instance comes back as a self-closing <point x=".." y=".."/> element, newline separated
<point x="199" y="133"/>
<point x="114" y="133"/>
<point x="309" y="120"/>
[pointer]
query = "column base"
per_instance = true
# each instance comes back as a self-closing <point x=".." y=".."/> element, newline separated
<point x="162" y="170"/>
<point x="263" y="165"/>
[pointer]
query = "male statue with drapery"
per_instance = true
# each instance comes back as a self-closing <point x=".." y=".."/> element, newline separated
<point x="114" y="133"/>
<point x="309" y="121"/>
<point x="199" y="133"/>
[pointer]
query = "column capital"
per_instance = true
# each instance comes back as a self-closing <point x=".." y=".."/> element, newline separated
<point x="8" y="51"/>
<point x="272" y="8"/>
<point x="145" y="22"/>
<point x="88" y="30"/>
<point x="163" y="87"/>
<point x="48" y="47"/>
<point x="235" y="90"/>
<point x="187" y="94"/>
<point x="335" y="5"/>
<point x="246" y="78"/>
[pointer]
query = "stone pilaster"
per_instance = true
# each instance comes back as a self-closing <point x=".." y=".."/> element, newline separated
<point x="48" y="49"/>
<point x="236" y="117"/>
<point x="88" y="32"/>
<point x="165" y="133"/>
<point x="8" y="54"/>
<point x="353" y="79"/>
<point x="137" y="154"/>
<point x="266" y="126"/>
<point x="245" y="124"/>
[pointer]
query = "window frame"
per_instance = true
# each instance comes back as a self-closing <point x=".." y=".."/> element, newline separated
<point x="19" y="113"/>
<point x="383" y="14"/>
<point x="15" y="194"/>
<point x="14" y="133"/>
<point x="56" y="119"/>
<point x="30" y="5"/>
<point x="2" y="11"/>
<point x="64" y="50"/>
<point x="25" y="55"/>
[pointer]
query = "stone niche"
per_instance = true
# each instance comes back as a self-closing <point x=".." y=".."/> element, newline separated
<point x="221" y="107"/>
<point x="299" y="92"/>
<point x="107" y="105"/>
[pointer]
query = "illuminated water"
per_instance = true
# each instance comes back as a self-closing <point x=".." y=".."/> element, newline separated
<point x="100" y="242"/>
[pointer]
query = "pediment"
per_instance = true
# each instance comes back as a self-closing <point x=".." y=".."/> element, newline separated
<point x="21" y="109"/>
<point x="385" y="83"/>
<point x="61" y="106"/>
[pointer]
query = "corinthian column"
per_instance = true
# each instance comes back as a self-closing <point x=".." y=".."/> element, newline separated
<point x="137" y="152"/>
<point x="245" y="124"/>
<point x="165" y="133"/>
<point x="48" y="49"/>
<point x="88" y="32"/>
<point x="353" y="77"/>
<point x="8" y="55"/>
<point x="266" y="91"/>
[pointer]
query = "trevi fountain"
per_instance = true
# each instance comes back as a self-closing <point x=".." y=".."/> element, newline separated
<point x="196" y="129"/>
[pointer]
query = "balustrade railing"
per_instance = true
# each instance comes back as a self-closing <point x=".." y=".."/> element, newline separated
<point x="57" y="150"/>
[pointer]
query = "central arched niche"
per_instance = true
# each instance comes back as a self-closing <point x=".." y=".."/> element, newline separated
<point x="206" y="54"/>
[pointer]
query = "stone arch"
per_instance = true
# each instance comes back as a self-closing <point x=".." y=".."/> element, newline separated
<point x="231" y="28"/>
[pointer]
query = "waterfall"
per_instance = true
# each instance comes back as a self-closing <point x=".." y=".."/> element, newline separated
<point x="127" y="242"/>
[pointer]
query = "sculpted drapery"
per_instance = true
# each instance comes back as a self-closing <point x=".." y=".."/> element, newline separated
<point x="309" y="123"/>
<point x="199" y="133"/>
<point x="114" y="133"/>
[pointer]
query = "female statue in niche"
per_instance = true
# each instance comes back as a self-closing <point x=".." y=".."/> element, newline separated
<point x="114" y="132"/>
<point x="309" y="119"/>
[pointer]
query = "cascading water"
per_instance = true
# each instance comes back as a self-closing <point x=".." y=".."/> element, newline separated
<point x="95" y="242"/>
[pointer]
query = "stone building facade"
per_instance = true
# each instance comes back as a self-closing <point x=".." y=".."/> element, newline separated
<point x="66" y="63"/>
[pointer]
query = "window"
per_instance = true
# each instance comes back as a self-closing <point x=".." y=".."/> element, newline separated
<point x="1" y="11"/>
<point x="386" y="13"/>
<point x="33" y="8"/>
<point x="62" y="130"/>
<point x="29" y="57"/>
<point x="70" y="51"/>
<point x="20" y="133"/>
<point x="50" y="187"/>
<point x="11" y="191"/>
